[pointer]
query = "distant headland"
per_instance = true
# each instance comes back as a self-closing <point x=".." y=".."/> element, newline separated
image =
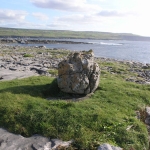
<point x="35" y="33"/>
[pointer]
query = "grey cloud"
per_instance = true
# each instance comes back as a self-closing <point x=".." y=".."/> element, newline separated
<point x="114" y="13"/>
<point x="24" y="24"/>
<point x="65" y="5"/>
<point x="80" y="19"/>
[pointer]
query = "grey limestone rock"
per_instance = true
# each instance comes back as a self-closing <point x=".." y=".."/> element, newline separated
<point x="147" y="119"/>
<point x="147" y="111"/>
<point x="79" y="74"/>
<point x="9" y="141"/>
<point x="106" y="146"/>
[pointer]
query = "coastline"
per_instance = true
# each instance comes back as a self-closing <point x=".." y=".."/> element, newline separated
<point x="15" y="65"/>
<point x="137" y="51"/>
<point x="37" y="41"/>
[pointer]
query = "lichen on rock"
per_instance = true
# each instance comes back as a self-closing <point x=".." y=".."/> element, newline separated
<point x="78" y="74"/>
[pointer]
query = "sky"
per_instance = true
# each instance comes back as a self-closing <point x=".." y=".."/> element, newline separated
<point x="117" y="16"/>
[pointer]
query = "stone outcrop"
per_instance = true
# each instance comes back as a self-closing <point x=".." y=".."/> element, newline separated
<point x="107" y="146"/>
<point x="79" y="73"/>
<point x="9" y="141"/>
<point x="14" y="64"/>
<point x="147" y="117"/>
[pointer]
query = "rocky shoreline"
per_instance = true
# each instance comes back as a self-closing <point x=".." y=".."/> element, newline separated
<point x="141" y="72"/>
<point x="36" y="41"/>
<point x="19" y="62"/>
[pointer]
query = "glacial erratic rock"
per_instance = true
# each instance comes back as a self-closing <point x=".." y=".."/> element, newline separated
<point x="78" y="74"/>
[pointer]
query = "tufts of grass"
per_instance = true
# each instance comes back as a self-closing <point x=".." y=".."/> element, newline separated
<point x="53" y="72"/>
<point x="27" y="55"/>
<point x="32" y="52"/>
<point x="108" y="116"/>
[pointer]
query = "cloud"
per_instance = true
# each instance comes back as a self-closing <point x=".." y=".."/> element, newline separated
<point x="106" y="22"/>
<point x="12" y="15"/>
<point x="17" y="19"/>
<point x="25" y="24"/>
<point x="66" y="5"/>
<point x="40" y="16"/>
<point x="13" y="18"/>
<point x="71" y="18"/>
<point x="81" y="22"/>
<point x="78" y="19"/>
<point x="84" y="19"/>
<point x="114" y="13"/>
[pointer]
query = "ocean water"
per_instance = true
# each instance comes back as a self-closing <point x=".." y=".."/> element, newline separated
<point x="138" y="51"/>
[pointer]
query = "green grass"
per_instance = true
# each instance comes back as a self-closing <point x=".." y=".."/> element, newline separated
<point x="27" y="55"/>
<point x="63" y="34"/>
<point x="53" y="72"/>
<point x="32" y="52"/>
<point x="102" y="118"/>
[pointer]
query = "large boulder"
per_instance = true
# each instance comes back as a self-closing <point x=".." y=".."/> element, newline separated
<point x="79" y="73"/>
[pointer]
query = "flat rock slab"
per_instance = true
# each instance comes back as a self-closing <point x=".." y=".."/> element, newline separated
<point x="107" y="146"/>
<point x="6" y="74"/>
<point x="9" y="141"/>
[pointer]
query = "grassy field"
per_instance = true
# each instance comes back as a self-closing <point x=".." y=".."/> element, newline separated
<point x="108" y="116"/>
<point x="12" y="32"/>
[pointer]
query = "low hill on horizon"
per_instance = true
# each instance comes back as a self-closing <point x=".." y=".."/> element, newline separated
<point x="36" y="33"/>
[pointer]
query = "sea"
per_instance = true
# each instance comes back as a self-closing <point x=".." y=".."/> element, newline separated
<point x="138" y="51"/>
